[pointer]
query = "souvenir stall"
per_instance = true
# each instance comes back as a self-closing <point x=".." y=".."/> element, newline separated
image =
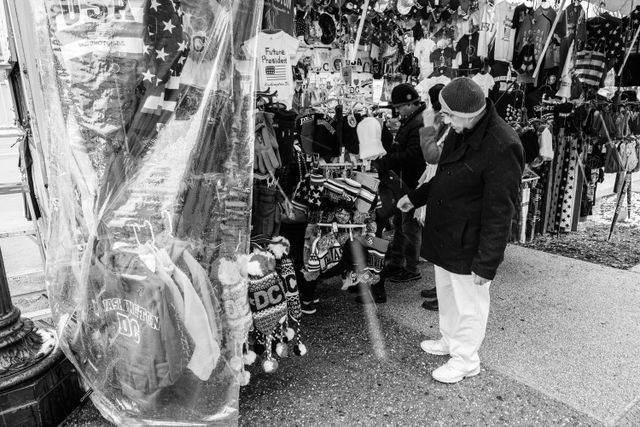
<point x="207" y="162"/>
<point x="561" y="73"/>
<point x="312" y="184"/>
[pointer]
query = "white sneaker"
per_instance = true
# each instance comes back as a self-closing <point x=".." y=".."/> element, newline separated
<point x="434" y="347"/>
<point x="450" y="375"/>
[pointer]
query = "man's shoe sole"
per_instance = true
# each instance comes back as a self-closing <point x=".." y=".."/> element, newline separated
<point x="428" y="305"/>
<point x="434" y="352"/>
<point x="457" y="379"/>
<point x="428" y="293"/>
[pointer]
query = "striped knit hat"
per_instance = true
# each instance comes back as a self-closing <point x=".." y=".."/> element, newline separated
<point x="462" y="97"/>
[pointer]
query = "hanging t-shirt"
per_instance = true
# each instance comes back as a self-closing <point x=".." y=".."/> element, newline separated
<point x="572" y="24"/>
<point x="605" y="35"/>
<point x="523" y="22"/>
<point x="503" y="76"/>
<point x="509" y="106"/>
<point x="630" y="75"/>
<point x="543" y="20"/>
<point x="466" y="21"/>
<point x="630" y="24"/>
<point x="487" y="30"/>
<point x="422" y="51"/>
<point x="485" y="81"/>
<point x="279" y="15"/>
<point x="423" y="87"/>
<point x="274" y="54"/>
<point x="443" y="57"/>
<point x="505" y="32"/>
<point x="590" y="67"/>
<point x="468" y="48"/>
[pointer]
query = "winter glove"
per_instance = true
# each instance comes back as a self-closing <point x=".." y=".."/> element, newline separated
<point x="266" y="156"/>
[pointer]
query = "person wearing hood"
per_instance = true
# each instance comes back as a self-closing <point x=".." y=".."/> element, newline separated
<point x="432" y="136"/>
<point x="405" y="158"/>
<point x="470" y="203"/>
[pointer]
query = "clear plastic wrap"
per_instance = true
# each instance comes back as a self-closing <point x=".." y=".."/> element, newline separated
<point x="150" y="129"/>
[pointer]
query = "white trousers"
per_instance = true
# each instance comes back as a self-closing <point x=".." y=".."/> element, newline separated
<point x="463" y="311"/>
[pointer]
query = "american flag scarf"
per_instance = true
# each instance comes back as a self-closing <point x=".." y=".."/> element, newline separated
<point x="166" y="47"/>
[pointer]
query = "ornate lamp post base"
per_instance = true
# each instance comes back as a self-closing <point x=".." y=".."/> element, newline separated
<point x="22" y="347"/>
<point x="38" y="385"/>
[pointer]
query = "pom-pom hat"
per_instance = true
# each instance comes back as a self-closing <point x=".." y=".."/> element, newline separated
<point x="462" y="97"/>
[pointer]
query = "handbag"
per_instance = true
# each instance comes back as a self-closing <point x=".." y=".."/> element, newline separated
<point x="613" y="162"/>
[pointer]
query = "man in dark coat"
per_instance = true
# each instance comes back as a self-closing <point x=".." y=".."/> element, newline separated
<point x="470" y="202"/>
<point x="405" y="158"/>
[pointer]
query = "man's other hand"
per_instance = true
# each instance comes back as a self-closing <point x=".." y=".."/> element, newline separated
<point x="480" y="281"/>
<point x="404" y="204"/>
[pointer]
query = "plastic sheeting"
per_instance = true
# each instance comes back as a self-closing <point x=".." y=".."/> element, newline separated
<point x="624" y="7"/>
<point x="151" y="123"/>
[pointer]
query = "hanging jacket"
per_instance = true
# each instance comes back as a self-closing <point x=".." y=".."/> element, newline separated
<point x="207" y="350"/>
<point x="141" y="326"/>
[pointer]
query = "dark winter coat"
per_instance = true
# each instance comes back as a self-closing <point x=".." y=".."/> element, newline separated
<point x="405" y="157"/>
<point x="472" y="198"/>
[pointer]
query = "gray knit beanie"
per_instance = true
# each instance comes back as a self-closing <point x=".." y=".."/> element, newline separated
<point x="462" y="97"/>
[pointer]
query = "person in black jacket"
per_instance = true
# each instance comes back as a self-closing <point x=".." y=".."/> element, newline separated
<point x="405" y="158"/>
<point x="470" y="203"/>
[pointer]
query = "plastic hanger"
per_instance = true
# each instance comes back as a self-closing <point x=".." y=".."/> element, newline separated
<point x="169" y="225"/>
<point x="153" y="236"/>
<point x="135" y="233"/>
<point x="239" y="241"/>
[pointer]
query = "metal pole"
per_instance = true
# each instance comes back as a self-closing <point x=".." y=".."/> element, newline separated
<point x="22" y="345"/>
<point x="8" y="313"/>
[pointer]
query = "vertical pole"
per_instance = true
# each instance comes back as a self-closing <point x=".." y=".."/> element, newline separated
<point x="8" y="313"/>
<point x="363" y="18"/>
<point x="524" y="212"/>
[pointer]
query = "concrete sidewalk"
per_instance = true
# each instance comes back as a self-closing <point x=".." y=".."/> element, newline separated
<point x="606" y="187"/>
<point x="561" y="349"/>
<point x="566" y="328"/>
